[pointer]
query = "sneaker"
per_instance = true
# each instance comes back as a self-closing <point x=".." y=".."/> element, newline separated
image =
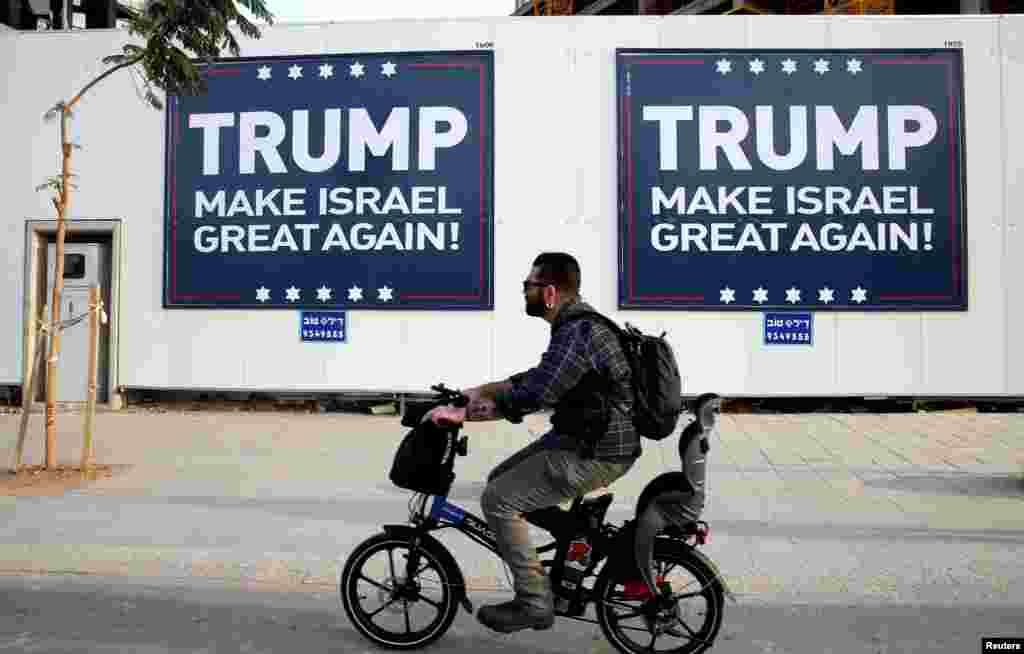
<point x="515" y="615"/>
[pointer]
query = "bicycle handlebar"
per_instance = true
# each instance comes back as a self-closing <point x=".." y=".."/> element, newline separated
<point x="447" y="395"/>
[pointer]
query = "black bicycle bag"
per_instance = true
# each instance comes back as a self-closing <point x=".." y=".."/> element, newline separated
<point x="425" y="460"/>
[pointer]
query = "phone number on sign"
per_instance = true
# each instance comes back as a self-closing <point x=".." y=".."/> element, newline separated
<point x="319" y="333"/>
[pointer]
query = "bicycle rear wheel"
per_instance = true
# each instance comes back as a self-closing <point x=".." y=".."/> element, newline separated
<point x="688" y="624"/>
<point x="391" y="610"/>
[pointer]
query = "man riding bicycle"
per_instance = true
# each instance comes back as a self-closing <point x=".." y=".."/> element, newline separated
<point x="585" y="377"/>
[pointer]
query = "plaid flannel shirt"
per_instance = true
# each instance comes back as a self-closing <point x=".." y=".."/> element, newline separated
<point x="578" y="348"/>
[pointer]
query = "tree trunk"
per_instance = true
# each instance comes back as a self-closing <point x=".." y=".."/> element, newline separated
<point x="58" y="289"/>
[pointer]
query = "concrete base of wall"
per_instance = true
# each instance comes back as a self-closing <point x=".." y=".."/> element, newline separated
<point x="395" y="402"/>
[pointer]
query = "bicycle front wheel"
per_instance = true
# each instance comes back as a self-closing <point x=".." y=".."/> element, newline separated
<point x="390" y="607"/>
<point x="686" y="624"/>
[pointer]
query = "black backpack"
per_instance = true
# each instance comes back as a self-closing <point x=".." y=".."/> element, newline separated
<point x="657" y="386"/>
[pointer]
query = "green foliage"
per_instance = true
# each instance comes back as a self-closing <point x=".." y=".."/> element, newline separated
<point x="178" y="32"/>
<point x="55" y="183"/>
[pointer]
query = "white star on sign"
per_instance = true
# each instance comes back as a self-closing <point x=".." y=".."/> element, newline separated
<point x="326" y="70"/>
<point x="792" y="295"/>
<point x="264" y="72"/>
<point x="826" y="295"/>
<point x="356" y="70"/>
<point x="295" y="72"/>
<point x="355" y="293"/>
<point x="859" y="294"/>
<point x="723" y="66"/>
<point x="387" y="69"/>
<point x="727" y="295"/>
<point x="323" y="293"/>
<point x="760" y="295"/>
<point x="821" y="66"/>
<point x="384" y="293"/>
<point x="292" y="293"/>
<point x="757" y="66"/>
<point x="853" y="66"/>
<point x="789" y="66"/>
<point x="262" y="294"/>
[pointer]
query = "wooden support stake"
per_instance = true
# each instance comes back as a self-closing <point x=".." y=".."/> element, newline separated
<point x="95" y="307"/>
<point x="28" y="390"/>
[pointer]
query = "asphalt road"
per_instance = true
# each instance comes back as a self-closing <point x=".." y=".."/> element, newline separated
<point x="153" y="616"/>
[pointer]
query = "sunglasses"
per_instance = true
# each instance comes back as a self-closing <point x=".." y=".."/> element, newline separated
<point x="528" y="284"/>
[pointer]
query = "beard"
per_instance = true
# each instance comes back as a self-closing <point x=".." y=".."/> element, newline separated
<point x="535" y="307"/>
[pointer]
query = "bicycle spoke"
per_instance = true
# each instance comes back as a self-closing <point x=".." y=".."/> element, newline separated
<point x="654" y="637"/>
<point x="681" y="596"/>
<point x="643" y="629"/>
<point x="391" y="564"/>
<point x="408" y="625"/>
<point x="687" y="628"/>
<point x="374" y="583"/>
<point x="386" y="605"/>
<point x="618" y="603"/>
<point x="627" y="616"/>
<point x="436" y="605"/>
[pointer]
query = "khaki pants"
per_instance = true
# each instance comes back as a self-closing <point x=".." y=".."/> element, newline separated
<point x="537" y="477"/>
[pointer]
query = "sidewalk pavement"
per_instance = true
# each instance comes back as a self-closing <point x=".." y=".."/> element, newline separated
<point x="925" y="507"/>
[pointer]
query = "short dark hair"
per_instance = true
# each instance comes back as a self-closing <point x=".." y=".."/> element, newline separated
<point x="559" y="269"/>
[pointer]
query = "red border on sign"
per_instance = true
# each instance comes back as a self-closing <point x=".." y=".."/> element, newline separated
<point x="176" y="130"/>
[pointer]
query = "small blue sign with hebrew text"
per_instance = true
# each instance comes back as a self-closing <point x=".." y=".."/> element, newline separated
<point x="789" y="329"/>
<point x="322" y="327"/>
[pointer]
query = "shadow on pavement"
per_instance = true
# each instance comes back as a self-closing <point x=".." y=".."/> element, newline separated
<point x="971" y="484"/>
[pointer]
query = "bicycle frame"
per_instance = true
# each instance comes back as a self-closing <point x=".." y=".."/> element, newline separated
<point x="446" y="515"/>
<point x="443" y="514"/>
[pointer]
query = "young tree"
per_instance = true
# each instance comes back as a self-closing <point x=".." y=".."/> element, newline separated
<point x="175" y="33"/>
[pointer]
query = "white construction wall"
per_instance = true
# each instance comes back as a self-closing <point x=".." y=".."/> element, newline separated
<point x="555" y="189"/>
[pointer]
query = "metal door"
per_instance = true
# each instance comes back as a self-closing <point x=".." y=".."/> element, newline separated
<point x="85" y="264"/>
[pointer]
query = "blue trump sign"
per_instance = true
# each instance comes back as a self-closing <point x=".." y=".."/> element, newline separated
<point x="789" y="329"/>
<point x="791" y="179"/>
<point x="356" y="181"/>
<point x="322" y="327"/>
